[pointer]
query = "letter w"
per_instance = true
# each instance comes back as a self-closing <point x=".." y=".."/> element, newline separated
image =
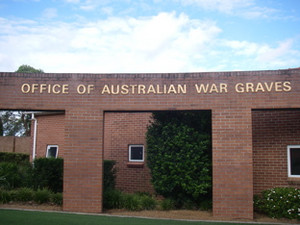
<point x="201" y="88"/>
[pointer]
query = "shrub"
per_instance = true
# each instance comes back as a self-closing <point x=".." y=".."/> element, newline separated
<point x="112" y="199"/>
<point x="179" y="156"/>
<point x="42" y="196"/>
<point x="48" y="173"/>
<point x="57" y="198"/>
<point x="132" y="202"/>
<point x="9" y="175"/>
<point x="24" y="195"/>
<point x="5" y="196"/>
<point x="109" y="175"/>
<point x="147" y="202"/>
<point x="280" y="202"/>
<point x="115" y="199"/>
<point x="167" y="204"/>
<point x="14" y="157"/>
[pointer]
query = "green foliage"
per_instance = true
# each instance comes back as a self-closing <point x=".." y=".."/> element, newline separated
<point x="115" y="199"/>
<point x="9" y="175"/>
<point x="28" y="195"/>
<point x="24" y="195"/>
<point x="112" y="199"/>
<point x="280" y="202"/>
<point x="179" y="156"/>
<point x="56" y="198"/>
<point x="42" y="196"/>
<point x="109" y="175"/>
<point x="14" y="157"/>
<point x="5" y="196"/>
<point x="28" y="69"/>
<point x="48" y="173"/>
<point x="167" y="204"/>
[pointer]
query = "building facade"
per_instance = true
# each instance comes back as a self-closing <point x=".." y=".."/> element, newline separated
<point x="255" y="121"/>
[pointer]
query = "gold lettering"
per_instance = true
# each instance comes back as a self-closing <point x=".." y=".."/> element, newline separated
<point x="239" y="88"/>
<point x="124" y="89"/>
<point x="201" y="87"/>
<point x="105" y="90"/>
<point x="278" y="86"/>
<point x="81" y="89"/>
<point x="25" y="88"/>
<point x="151" y="89"/>
<point x="213" y="88"/>
<point x="249" y="87"/>
<point x="141" y="89"/>
<point x="172" y="89"/>
<point x="223" y="88"/>
<point x="158" y="91"/>
<point x="43" y="87"/>
<point x="259" y="87"/>
<point x="133" y="88"/>
<point x="269" y="87"/>
<point x="287" y="86"/>
<point x="65" y="89"/>
<point x="113" y="91"/>
<point x="182" y="89"/>
<point x="55" y="90"/>
<point x="34" y="87"/>
<point x="90" y="88"/>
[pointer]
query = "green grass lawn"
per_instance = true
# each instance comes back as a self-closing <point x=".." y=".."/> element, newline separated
<point x="16" y="217"/>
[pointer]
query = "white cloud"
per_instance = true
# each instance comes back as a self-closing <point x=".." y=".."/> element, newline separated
<point x="49" y="13"/>
<point x="264" y="56"/>
<point x="163" y="43"/>
<point x="226" y="6"/>
<point x="166" y="42"/>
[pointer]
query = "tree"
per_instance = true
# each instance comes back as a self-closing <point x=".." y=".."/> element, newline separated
<point x="179" y="155"/>
<point x="14" y="123"/>
<point x="28" y="69"/>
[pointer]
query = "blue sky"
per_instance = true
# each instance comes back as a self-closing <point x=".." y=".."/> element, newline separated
<point x="145" y="36"/>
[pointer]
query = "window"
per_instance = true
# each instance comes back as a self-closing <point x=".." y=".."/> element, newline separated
<point x="136" y="153"/>
<point x="52" y="151"/>
<point x="294" y="160"/>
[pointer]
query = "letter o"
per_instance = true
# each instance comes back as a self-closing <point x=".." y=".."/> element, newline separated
<point x="81" y="89"/>
<point x="25" y="88"/>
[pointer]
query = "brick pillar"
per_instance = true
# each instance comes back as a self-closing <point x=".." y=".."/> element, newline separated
<point x="83" y="160"/>
<point x="232" y="163"/>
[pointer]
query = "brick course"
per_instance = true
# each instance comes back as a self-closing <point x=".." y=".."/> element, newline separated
<point x="231" y="124"/>
<point x="273" y="131"/>
<point x="120" y="130"/>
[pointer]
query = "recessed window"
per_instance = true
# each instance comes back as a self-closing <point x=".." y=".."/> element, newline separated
<point x="52" y="151"/>
<point x="294" y="160"/>
<point x="136" y="153"/>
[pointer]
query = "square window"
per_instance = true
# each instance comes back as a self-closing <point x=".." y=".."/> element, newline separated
<point x="52" y="151"/>
<point x="294" y="160"/>
<point x="136" y="153"/>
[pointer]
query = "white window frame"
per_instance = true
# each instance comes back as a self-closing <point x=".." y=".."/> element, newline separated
<point x="289" y="147"/>
<point x="136" y="160"/>
<point x="48" y="148"/>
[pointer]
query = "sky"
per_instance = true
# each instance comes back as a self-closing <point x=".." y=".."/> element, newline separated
<point x="149" y="36"/>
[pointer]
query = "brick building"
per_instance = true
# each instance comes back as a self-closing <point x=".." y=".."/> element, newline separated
<point x="255" y="127"/>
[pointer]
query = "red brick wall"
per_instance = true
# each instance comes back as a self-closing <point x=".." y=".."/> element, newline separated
<point x="50" y="131"/>
<point x="16" y="144"/>
<point x="273" y="131"/>
<point x="120" y="130"/>
<point x="231" y="122"/>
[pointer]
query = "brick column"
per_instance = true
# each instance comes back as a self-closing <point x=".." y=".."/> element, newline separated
<point x="232" y="163"/>
<point x="83" y="160"/>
